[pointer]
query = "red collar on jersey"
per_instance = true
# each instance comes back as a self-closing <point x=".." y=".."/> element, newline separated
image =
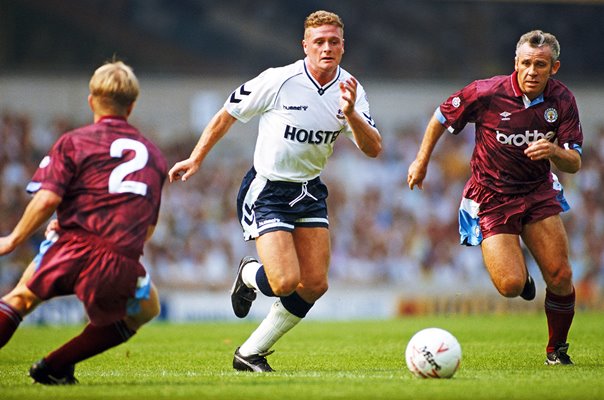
<point x="515" y="84"/>
<point x="518" y="91"/>
<point x="110" y="117"/>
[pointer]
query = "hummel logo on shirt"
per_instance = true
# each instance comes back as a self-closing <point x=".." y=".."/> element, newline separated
<point x="298" y="108"/>
<point x="242" y="92"/>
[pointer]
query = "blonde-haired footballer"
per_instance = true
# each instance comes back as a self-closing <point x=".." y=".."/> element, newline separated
<point x="104" y="180"/>
<point x="304" y="108"/>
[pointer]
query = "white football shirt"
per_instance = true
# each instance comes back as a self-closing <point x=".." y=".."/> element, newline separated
<point x="299" y="120"/>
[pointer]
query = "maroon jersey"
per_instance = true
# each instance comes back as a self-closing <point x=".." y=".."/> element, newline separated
<point x="505" y="123"/>
<point x="110" y="178"/>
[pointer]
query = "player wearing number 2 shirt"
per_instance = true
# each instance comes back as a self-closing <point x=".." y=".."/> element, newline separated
<point x="524" y="122"/>
<point x="112" y="175"/>
<point x="104" y="181"/>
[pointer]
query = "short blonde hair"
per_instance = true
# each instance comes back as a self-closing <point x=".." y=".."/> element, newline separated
<point x="114" y="86"/>
<point x="322" y="17"/>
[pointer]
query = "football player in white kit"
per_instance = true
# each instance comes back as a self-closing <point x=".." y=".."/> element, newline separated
<point x="304" y="107"/>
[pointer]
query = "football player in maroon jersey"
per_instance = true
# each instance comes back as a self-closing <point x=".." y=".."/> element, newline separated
<point x="104" y="182"/>
<point x="524" y="122"/>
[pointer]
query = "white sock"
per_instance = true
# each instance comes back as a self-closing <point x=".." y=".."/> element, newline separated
<point x="249" y="274"/>
<point x="276" y="324"/>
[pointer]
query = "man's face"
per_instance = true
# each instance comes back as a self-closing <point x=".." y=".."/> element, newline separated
<point x="324" y="46"/>
<point x="534" y="67"/>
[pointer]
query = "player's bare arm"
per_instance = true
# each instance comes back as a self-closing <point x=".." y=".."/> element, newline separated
<point x="214" y="131"/>
<point x="39" y="210"/>
<point x="419" y="167"/>
<point x="367" y="137"/>
<point x="566" y="160"/>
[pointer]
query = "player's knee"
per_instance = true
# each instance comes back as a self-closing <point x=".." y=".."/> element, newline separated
<point x="561" y="277"/>
<point x="154" y="311"/>
<point x="23" y="301"/>
<point x="313" y="290"/>
<point x="319" y="288"/>
<point x="148" y="311"/>
<point x="147" y="314"/>
<point x="284" y="284"/>
<point x="510" y="286"/>
<point x="152" y="306"/>
<point x="284" y="287"/>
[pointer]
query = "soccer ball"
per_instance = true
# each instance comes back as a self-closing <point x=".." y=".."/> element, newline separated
<point x="433" y="353"/>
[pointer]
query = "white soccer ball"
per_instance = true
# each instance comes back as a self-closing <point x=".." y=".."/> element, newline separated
<point x="433" y="353"/>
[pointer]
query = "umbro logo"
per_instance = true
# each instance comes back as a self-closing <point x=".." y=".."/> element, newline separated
<point x="237" y="97"/>
<point x="505" y="116"/>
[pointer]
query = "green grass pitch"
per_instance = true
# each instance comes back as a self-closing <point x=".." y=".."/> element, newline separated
<point x="503" y="358"/>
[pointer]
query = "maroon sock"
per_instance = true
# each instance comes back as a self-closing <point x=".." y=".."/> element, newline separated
<point x="560" y="311"/>
<point x="92" y="341"/>
<point x="9" y="322"/>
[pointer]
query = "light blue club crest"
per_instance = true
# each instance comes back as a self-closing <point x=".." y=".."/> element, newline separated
<point x="551" y="115"/>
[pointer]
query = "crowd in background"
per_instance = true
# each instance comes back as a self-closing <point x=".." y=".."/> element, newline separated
<point x="413" y="39"/>
<point x="382" y="232"/>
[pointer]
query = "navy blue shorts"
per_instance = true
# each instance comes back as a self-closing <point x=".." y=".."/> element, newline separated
<point x="267" y="206"/>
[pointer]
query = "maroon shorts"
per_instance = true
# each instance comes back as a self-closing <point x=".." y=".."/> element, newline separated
<point x="101" y="277"/>
<point x="501" y="213"/>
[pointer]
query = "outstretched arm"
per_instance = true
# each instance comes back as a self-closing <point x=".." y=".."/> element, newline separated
<point x="366" y="136"/>
<point x="39" y="210"/>
<point x="419" y="167"/>
<point x="214" y="131"/>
